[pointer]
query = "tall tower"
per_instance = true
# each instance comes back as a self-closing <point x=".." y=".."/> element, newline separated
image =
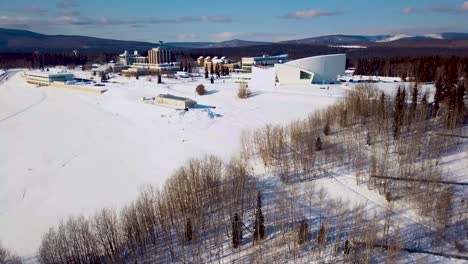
<point x="159" y="55"/>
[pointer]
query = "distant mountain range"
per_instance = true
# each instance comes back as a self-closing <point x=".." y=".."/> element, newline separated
<point x="14" y="40"/>
<point x="357" y="39"/>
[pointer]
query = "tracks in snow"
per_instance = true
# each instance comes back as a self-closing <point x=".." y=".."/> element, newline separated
<point x="374" y="201"/>
<point x="42" y="99"/>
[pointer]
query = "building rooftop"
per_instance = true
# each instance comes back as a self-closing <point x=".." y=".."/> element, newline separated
<point x="48" y="74"/>
<point x="170" y="96"/>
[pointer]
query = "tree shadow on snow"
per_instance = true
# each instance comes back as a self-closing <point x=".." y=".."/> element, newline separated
<point x="211" y="92"/>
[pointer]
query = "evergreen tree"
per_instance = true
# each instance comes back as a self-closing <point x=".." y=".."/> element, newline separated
<point x="206" y="71"/>
<point x="322" y="235"/>
<point x="438" y="97"/>
<point x="414" y="98"/>
<point x="303" y="235"/>
<point x="318" y="144"/>
<point x="236" y="231"/>
<point x="188" y="230"/>
<point x="259" y="224"/>
<point x="159" y="77"/>
<point x="451" y="109"/>
<point x="460" y="104"/>
<point x="397" y="113"/>
<point x="403" y="98"/>
<point x="218" y="70"/>
<point x="347" y="247"/>
<point x="382" y="98"/>
<point x="326" y="128"/>
<point x="368" y="138"/>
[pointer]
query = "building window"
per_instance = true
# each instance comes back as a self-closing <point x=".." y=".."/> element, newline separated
<point x="305" y="76"/>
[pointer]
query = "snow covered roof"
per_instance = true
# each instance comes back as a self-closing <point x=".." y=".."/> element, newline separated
<point x="173" y="97"/>
<point x="313" y="58"/>
<point x="48" y="74"/>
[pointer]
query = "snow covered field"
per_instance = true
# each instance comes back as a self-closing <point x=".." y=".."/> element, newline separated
<point x="69" y="152"/>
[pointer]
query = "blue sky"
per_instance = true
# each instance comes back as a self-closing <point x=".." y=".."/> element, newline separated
<point x="218" y="20"/>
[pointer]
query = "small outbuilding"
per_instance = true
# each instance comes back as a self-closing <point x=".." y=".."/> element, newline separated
<point x="174" y="101"/>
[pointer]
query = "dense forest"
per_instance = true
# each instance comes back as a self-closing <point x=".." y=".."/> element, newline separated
<point x="40" y="60"/>
<point x="419" y="69"/>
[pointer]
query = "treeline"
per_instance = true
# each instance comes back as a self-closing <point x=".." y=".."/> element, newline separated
<point x="7" y="257"/>
<point x="297" y="51"/>
<point x="42" y="60"/>
<point x="419" y="69"/>
<point x="198" y="206"/>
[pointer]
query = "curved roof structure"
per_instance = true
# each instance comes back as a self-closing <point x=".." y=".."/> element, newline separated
<point x="316" y="69"/>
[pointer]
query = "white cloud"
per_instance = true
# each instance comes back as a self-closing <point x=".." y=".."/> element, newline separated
<point x="71" y="17"/>
<point x="408" y="10"/>
<point x="228" y="35"/>
<point x="66" y="4"/>
<point x="186" y="37"/>
<point x="310" y="13"/>
<point x="33" y="10"/>
<point x="255" y="36"/>
<point x="449" y="9"/>
<point x="69" y="12"/>
<point x="464" y="7"/>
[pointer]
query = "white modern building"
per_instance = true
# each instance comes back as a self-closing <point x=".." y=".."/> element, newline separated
<point x="318" y="69"/>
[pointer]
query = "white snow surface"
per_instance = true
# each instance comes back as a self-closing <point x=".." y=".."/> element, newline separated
<point x="395" y="37"/>
<point x="348" y="46"/>
<point x="69" y="152"/>
<point x="434" y="36"/>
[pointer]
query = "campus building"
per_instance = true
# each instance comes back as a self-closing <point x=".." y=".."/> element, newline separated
<point x="318" y="69"/>
<point x="46" y="77"/>
<point x="128" y="59"/>
<point x="174" y="101"/>
<point x="160" y="56"/>
<point x="264" y="60"/>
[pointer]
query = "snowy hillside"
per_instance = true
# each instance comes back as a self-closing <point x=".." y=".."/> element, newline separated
<point x="394" y="38"/>
<point x="66" y="152"/>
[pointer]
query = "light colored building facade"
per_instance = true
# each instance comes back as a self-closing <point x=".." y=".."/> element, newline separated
<point x="46" y="78"/>
<point x="147" y="68"/>
<point x="128" y="59"/>
<point x="264" y="60"/>
<point x="222" y="63"/>
<point x="318" y="69"/>
<point x="174" y="101"/>
<point x="159" y="56"/>
<point x="200" y="61"/>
